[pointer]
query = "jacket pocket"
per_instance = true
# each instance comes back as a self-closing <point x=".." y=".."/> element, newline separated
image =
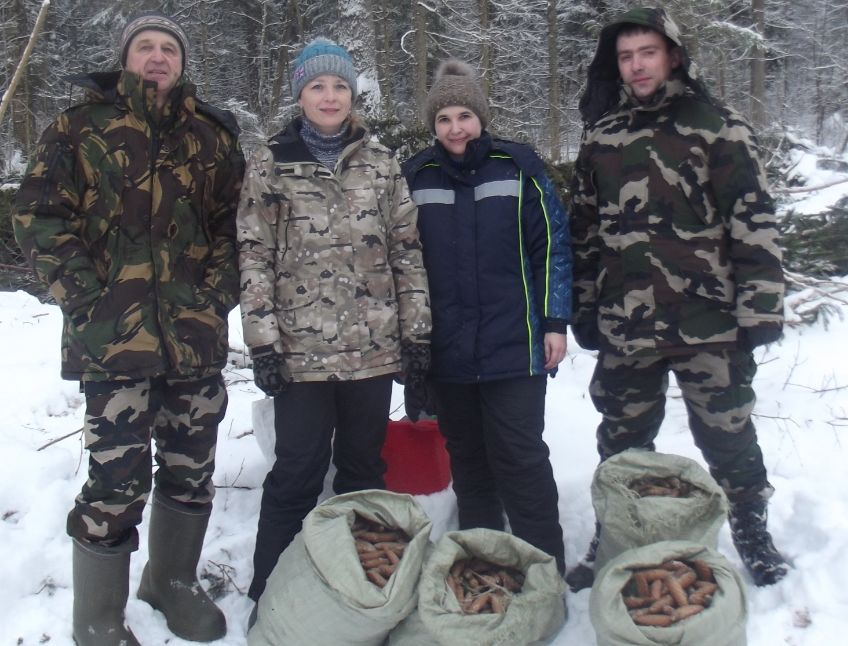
<point x="693" y="182"/>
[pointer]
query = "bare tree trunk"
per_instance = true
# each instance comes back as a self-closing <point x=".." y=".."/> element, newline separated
<point x="13" y="84"/>
<point x="758" y="67"/>
<point x="420" y="17"/>
<point x="554" y="133"/>
<point x="485" y="49"/>
<point x="380" y="20"/>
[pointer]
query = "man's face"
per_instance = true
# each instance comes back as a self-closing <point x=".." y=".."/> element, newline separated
<point x="156" y="56"/>
<point x="645" y="62"/>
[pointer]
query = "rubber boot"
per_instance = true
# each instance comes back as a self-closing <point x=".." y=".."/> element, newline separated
<point x="101" y="588"/>
<point x="169" y="581"/>
<point x="582" y="575"/>
<point x="754" y="543"/>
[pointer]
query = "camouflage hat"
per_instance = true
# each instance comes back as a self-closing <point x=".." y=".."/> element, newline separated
<point x="322" y="56"/>
<point x="152" y="20"/>
<point x="455" y="83"/>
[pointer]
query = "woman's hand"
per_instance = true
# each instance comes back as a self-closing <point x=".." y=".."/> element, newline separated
<point x="555" y="346"/>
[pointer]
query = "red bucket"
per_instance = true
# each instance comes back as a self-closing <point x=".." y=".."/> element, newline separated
<point x="416" y="459"/>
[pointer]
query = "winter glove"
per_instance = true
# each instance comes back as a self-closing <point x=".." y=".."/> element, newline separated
<point x="415" y="363"/>
<point x="414" y="360"/>
<point x="271" y="373"/>
<point x="587" y="335"/>
<point x="754" y="337"/>
<point x="418" y="398"/>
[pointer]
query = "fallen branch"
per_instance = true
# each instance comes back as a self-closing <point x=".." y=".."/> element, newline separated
<point x="59" y="439"/>
<point x="23" y="270"/>
<point x="809" y="189"/>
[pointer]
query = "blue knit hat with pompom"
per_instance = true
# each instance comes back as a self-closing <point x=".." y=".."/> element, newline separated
<point x="322" y="56"/>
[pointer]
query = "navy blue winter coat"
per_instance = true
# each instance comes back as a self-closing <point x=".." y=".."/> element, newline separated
<point x="497" y="256"/>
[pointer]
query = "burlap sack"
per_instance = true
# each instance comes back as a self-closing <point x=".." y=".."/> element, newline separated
<point x="318" y="593"/>
<point x="628" y="520"/>
<point x="722" y="623"/>
<point x="534" y="616"/>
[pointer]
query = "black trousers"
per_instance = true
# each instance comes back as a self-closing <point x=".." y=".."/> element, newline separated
<point x="314" y="421"/>
<point x="499" y="462"/>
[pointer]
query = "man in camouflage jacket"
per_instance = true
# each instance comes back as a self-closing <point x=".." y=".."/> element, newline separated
<point x="127" y="214"/>
<point x="676" y="263"/>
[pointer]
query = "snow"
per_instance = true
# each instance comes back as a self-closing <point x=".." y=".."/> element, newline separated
<point x="801" y="411"/>
<point x="801" y="416"/>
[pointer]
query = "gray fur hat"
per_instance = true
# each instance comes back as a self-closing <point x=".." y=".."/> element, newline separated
<point x="322" y="56"/>
<point x="456" y="83"/>
<point x="152" y="20"/>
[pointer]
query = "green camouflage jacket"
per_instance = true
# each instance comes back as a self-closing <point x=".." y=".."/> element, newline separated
<point x="673" y="229"/>
<point x="128" y="217"/>
<point x="331" y="267"/>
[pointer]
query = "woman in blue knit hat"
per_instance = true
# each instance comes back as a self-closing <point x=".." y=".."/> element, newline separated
<point x="334" y="296"/>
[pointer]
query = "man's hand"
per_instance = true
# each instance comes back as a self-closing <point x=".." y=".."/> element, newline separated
<point x="587" y="335"/>
<point x="754" y="337"/>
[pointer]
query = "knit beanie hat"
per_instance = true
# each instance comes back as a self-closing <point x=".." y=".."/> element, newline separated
<point x="152" y="20"/>
<point x="322" y="56"/>
<point x="456" y="83"/>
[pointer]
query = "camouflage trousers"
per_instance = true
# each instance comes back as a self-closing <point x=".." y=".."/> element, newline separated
<point x="630" y="394"/>
<point x="121" y="417"/>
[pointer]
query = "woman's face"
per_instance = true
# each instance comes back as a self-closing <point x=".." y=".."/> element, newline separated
<point x="456" y="125"/>
<point x="326" y="101"/>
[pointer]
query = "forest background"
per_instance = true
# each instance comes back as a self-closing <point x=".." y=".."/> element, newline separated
<point x="782" y="63"/>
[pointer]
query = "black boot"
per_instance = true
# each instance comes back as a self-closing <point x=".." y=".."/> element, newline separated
<point x="169" y="581"/>
<point x="101" y="588"/>
<point x="754" y="544"/>
<point x="582" y="575"/>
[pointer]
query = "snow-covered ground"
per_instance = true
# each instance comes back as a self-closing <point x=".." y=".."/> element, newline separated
<point x="801" y="415"/>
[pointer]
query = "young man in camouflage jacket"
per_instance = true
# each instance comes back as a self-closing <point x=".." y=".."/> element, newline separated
<point x="127" y="214"/>
<point x="676" y="265"/>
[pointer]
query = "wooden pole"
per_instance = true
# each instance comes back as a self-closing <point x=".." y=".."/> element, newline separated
<point x="39" y="23"/>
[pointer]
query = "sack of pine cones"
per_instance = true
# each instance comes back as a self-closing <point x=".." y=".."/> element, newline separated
<point x="642" y="497"/>
<point x="482" y="587"/>
<point x="672" y="592"/>
<point x="349" y="576"/>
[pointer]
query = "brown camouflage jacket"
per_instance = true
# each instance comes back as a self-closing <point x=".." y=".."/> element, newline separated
<point x="673" y="229"/>
<point x="331" y="267"/>
<point x="128" y="216"/>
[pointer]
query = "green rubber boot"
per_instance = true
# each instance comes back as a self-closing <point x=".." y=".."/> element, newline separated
<point x="169" y="581"/>
<point x="101" y="588"/>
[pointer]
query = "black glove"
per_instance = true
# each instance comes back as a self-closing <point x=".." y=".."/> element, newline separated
<point x="415" y="363"/>
<point x="414" y="360"/>
<point x="754" y="337"/>
<point x="271" y="373"/>
<point x="587" y="335"/>
<point x="418" y="398"/>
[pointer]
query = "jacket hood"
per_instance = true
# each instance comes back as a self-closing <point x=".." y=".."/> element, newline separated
<point x="604" y="82"/>
<point x="108" y="87"/>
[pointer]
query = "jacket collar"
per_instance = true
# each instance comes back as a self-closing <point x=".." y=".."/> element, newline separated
<point x="127" y="90"/>
<point x="669" y="91"/>
<point x="288" y="147"/>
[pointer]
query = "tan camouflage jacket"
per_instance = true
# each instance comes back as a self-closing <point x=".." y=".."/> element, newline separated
<point x="130" y="221"/>
<point x="673" y="229"/>
<point x="331" y="267"/>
